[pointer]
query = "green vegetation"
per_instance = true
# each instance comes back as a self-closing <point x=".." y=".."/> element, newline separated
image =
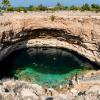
<point x="41" y="8"/>
<point x="58" y="7"/>
<point x="11" y="9"/>
<point x="52" y="18"/>
<point x="6" y="6"/>
<point x="19" y="9"/>
<point x="31" y="8"/>
<point x="85" y="7"/>
<point x="75" y="7"/>
<point x="95" y="7"/>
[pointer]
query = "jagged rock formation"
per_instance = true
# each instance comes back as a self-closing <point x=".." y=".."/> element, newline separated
<point x="78" y="33"/>
<point x="21" y="90"/>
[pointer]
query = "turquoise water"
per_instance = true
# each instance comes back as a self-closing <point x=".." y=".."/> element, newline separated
<point x="45" y="66"/>
<point x="48" y="79"/>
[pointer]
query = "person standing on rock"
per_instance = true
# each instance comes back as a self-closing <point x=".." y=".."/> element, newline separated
<point x="76" y="78"/>
<point x="71" y="85"/>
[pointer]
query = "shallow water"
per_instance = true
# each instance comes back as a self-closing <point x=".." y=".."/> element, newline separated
<point x="45" y="66"/>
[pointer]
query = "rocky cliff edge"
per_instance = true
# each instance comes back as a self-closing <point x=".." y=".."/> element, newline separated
<point x="77" y="33"/>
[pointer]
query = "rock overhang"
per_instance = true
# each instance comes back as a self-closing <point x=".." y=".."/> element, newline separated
<point x="78" y="34"/>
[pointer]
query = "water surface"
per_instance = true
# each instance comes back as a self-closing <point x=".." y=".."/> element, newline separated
<point x="45" y="66"/>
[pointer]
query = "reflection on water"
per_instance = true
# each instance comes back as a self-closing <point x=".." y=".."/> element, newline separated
<point x="45" y="66"/>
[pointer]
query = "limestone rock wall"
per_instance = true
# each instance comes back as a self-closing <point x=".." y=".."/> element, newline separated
<point x="78" y="33"/>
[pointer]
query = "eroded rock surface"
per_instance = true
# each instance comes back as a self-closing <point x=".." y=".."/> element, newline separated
<point x="78" y="33"/>
<point x="21" y="90"/>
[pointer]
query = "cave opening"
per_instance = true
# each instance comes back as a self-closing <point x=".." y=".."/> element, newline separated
<point x="44" y="65"/>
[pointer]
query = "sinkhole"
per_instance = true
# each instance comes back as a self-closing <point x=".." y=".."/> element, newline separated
<point x="43" y="65"/>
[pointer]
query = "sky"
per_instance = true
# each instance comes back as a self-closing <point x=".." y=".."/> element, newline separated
<point x="26" y="3"/>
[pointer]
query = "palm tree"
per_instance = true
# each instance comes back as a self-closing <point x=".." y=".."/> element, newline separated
<point x="6" y="4"/>
<point x="85" y="7"/>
